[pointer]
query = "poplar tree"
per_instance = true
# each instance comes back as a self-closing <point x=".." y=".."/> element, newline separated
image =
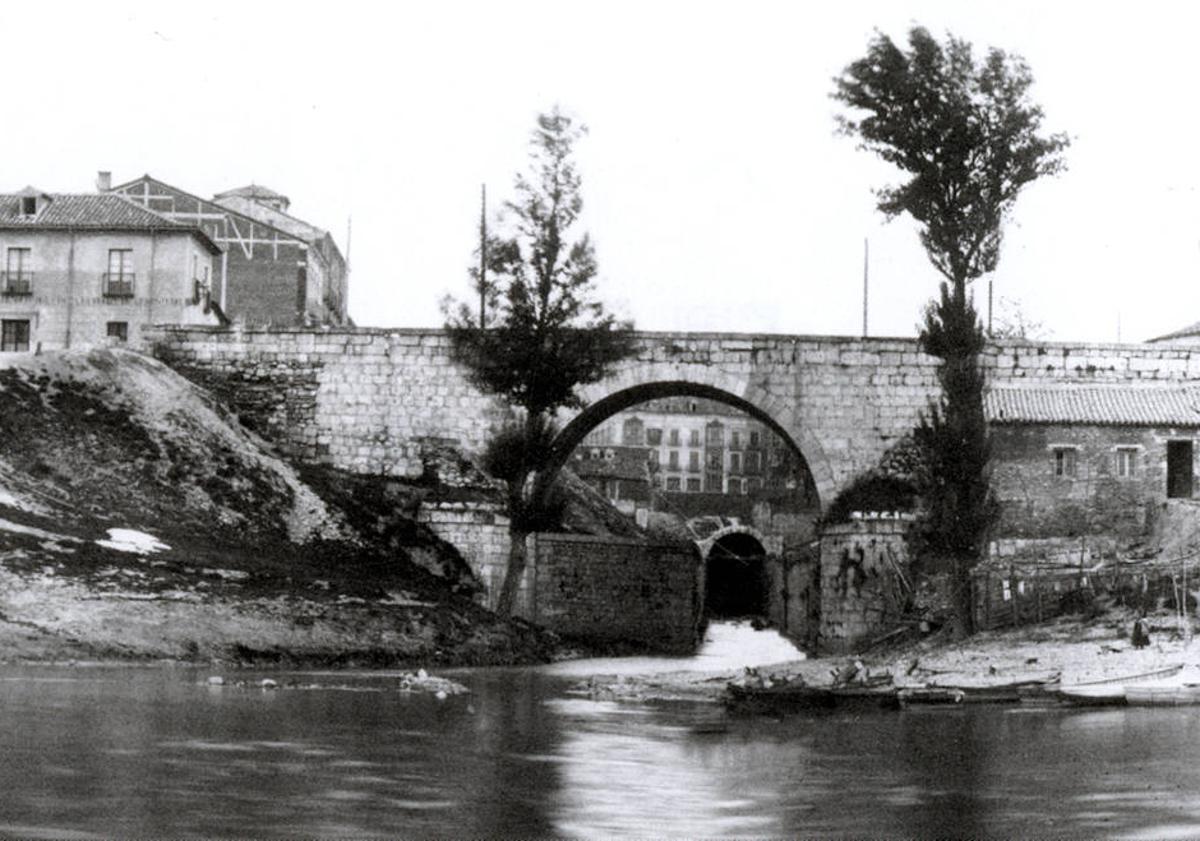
<point x="546" y="334"/>
<point x="967" y="137"/>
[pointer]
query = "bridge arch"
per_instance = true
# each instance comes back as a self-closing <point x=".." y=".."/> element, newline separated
<point x="708" y="543"/>
<point x="773" y="411"/>
<point x="735" y="574"/>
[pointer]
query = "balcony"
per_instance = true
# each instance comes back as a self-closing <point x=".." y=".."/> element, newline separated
<point x="16" y="284"/>
<point x="117" y="285"/>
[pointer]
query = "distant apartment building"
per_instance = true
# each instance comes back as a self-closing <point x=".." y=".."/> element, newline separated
<point x="88" y="269"/>
<point x="688" y="446"/>
<point x="275" y="269"/>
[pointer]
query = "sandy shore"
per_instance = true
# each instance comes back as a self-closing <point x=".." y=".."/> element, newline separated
<point x="1075" y="649"/>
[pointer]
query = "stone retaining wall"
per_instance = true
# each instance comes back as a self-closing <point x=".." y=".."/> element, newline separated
<point x="612" y="590"/>
<point x="863" y="566"/>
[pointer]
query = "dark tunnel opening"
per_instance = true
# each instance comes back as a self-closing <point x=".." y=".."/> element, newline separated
<point x="735" y="578"/>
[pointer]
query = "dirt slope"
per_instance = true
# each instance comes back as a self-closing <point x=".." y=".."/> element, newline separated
<point x="138" y="519"/>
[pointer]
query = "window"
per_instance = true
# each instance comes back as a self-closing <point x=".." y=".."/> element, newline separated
<point x="694" y="438"/>
<point x="754" y="439"/>
<point x="674" y="438"/>
<point x="1126" y="461"/>
<point x="14" y="334"/>
<point x="631" y="433"/>
<point x="652" y="457"/>
<point x="714" y="461"/>
<point x="118" y="281"/>
<point x="694" y="462"/>
<point x="693" y="485"/>
<point x="118" y="330"/>
<point x="29" y="205"/>
<point x="736" y="440"/>
<point x="653" y="437"/>
<point x="753" y="462"/>
<point x="1064" y="461"/>
<point x="735" y="462"/>
<point x="17" y="274"/>
<point x="715" y="434"/>
<point x="672" y="483"/>
<point x="673" y="459"/>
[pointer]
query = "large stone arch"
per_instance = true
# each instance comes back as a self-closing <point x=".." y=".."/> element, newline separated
<point x="607" y="399"/>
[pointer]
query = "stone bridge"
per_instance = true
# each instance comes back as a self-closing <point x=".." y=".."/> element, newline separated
<point x="374" y="401"/>
<point x="369" y="400"/>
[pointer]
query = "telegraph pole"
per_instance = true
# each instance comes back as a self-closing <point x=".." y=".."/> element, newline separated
<point x="866" y="265"/>
<point x="482" y="256"/>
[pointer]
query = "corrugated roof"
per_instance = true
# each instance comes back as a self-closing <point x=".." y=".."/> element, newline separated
<point x="95" y="211"/>
<point x="1108" y="405"/>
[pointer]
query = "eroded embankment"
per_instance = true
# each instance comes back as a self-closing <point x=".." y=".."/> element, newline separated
<point x="140" y="520"/>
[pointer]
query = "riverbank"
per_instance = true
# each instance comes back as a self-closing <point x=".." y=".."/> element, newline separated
<point x="1077" y="648"/>
<point x="140" y="521"/>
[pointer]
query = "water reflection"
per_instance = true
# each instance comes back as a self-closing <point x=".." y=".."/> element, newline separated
<point x="130" y="752"/>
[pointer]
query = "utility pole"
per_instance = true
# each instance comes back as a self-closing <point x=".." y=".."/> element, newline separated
<point x="482" y="256"/>
<point x="866" y="265"/>
<point x="989" y="307"/>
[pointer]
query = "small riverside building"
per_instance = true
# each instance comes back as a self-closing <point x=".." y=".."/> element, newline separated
<point x="1088" y="464"/>
<point x="90" y="269"/>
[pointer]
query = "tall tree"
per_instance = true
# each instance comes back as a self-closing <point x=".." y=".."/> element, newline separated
<point x="547" y="334"/>
<point x="968" y="137"/>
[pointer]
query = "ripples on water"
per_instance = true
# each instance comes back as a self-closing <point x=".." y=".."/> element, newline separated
<point x="154" y="752"/>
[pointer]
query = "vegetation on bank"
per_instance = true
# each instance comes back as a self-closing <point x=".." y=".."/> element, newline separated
<point x="966" y="135"/>
<point x="540" y="332"/>
<point x="138" y="519"/>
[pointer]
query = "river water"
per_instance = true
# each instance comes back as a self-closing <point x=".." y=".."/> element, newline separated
<point x="123" y="751"/>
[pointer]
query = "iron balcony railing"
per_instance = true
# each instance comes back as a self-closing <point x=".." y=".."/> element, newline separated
<point x="16" y="283"/>
<point x="118" y="285"/>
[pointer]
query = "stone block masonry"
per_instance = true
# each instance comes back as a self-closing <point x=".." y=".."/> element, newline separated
<point x="864" y="580"/>
<point x="618" y="591"/>
<point x="359" y="399"/>
<point x="364" y="400"/>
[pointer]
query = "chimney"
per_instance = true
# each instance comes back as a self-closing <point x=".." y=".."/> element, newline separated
<point x="103" y="181"/>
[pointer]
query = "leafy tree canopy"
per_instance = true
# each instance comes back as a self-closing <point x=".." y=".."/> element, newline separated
<point x="546" y="333"/>
<point x="966" y="133"/>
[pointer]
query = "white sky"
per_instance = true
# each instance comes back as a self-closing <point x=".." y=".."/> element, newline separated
<point x="717" y="194"/>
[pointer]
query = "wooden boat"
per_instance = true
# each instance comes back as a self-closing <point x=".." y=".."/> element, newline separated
<point x="1102" y="695"/>
<point x="1109" y="691"/>
<point x="785" y="697"/>
<point x="920" y="696"/>
<point x="1004" y="693"/>
<point x="1162" y="694"/>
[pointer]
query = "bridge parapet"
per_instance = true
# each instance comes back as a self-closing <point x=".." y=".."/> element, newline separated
<point x="363" y="399"/>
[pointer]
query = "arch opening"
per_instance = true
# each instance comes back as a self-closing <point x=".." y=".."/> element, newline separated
<point x="735" y="578"/>
<point x="574" y="433"/>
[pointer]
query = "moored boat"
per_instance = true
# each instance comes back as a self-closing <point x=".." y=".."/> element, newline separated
<point x="1102" y="695"/>
<point x="1162" y="694"/>
<point x="796" y="696"/>
<point x="920" y="696"/>
<point x="1113" y="690"/>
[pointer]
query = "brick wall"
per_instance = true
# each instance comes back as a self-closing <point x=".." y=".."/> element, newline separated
<point x="607" y="589"/>
<point x="863" y="566"/>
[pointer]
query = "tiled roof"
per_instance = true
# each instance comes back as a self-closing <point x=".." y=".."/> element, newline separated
<point x="1190" y="332"/>
<point x="96" y="211"/>
<point x="252" y="191"/>
<point x="1109" y="405"/>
